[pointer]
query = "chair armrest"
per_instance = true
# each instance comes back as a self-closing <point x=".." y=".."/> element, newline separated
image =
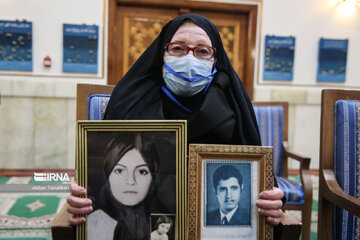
<point x="302" y="159"/>
<point x="61" y="227"/>
<point x="288" y="229"/>
<point x="305" y="175"/>
<point x="336" y="195"/>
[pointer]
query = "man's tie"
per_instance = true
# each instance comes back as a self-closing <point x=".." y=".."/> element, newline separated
<point x="224" y="221"/>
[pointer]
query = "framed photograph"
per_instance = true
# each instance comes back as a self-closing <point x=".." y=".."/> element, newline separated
<point x="162" y="226"/>
<point x="224" y="184"/>
<point x="135" y="173"/>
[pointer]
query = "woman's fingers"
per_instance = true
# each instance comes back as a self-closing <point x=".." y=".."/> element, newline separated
<point x="269" y="204"/>
<point x="79" y="210"/>
<point x="272" y="216"/>
<point x="78" y="206"/>
<point x="77" y="190"/>
<point x="270" y="199"/>
<point x="271" y="213"/>
<point x="274" y="194"/>
<point x="74" y="200"/>
<point x="78" y="202"/>
<point x="273" y="221"/>
<point x="76" y="220"/>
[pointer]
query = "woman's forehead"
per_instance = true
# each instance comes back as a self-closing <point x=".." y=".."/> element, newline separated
<point x="165" y="224"/>
<point x="192" y="34"/>
<point x="132" y="158"/>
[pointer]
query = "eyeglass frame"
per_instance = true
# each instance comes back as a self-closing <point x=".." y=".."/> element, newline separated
<point x="190" y="48"/>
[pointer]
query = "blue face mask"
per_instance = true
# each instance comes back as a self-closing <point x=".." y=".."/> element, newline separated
<point x="186" y="76"/>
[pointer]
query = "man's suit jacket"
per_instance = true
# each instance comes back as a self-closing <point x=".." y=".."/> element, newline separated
<point x="242" y="216"/>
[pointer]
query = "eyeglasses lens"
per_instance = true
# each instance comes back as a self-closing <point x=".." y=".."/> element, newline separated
<point x="202" y="52"/>
<point x="177" y="50"/>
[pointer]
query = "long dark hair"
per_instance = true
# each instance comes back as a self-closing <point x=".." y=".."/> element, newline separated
<point x="118" y="147"/>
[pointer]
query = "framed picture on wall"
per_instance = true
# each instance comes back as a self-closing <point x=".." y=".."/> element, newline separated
<point x="279" y="58"/>
<point x="135" y="173"/>
<point x="80" y="48"/>
<point x="16" y="46"/>
<point x="224" y="184"/>
<point x="332" y="60"/>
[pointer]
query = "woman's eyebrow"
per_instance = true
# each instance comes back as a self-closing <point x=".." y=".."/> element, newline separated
<point x="184" y="42"/>
<point x="179" y="41"/>
<point x="119" y="164"/>
<point x="142" y="165"/>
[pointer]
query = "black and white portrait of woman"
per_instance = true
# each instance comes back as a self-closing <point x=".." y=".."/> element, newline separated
<point x="127" y="184"/>
<point x="162" y="227"/>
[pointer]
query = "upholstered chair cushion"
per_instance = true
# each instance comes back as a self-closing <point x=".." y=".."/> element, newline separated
<point x="347" y="164"/>
<point x="270" y="120"/>
<point x="293" y="191"/>
<point x="97" y="104"/>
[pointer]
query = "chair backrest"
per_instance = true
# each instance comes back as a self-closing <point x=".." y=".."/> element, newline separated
<point x="340" y="151"/>
<point x="346" y="163"/>
<point x="96" y="106"/>
<point x="92" y="100"/>
<point x="272" y="121"/>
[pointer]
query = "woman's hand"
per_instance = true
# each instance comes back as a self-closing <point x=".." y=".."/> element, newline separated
<point x="78" y="206"/>
<point x="269" y="204"/>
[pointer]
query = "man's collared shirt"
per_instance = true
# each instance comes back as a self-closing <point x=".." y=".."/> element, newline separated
<point x="229" y="215"/>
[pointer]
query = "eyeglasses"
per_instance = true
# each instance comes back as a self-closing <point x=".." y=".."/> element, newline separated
<point x="179" y="50"/>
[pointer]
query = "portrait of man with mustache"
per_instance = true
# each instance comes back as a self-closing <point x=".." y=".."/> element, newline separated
<point x="228" y="185"/>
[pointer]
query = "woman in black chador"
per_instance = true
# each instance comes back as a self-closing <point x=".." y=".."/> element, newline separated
<point x="216" y="106"/>
<point x="186" y="74"/>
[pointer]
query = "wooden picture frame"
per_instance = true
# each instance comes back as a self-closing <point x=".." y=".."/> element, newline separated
<point x="221" y="165"/>
<point x="132" y="170"/>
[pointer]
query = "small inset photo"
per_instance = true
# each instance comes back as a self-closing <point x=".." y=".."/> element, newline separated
<point x="162" y="226"/>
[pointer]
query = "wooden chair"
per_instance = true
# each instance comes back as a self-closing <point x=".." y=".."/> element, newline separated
<point x="94" y="97"/>
<point x="91" y="97"/>
<point x="339" y="178"/>
<point x="61" y="228"/>
<point x="272" y="118"/>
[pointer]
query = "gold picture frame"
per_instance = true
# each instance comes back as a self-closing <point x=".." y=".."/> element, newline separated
<point x="228" y="177"/>
<point x="151" y="183"/>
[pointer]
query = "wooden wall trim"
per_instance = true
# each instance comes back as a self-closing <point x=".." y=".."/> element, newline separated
<point x="111" y="73"/>
<point x="250" y="64"/>
<point x="228" y="7"/>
